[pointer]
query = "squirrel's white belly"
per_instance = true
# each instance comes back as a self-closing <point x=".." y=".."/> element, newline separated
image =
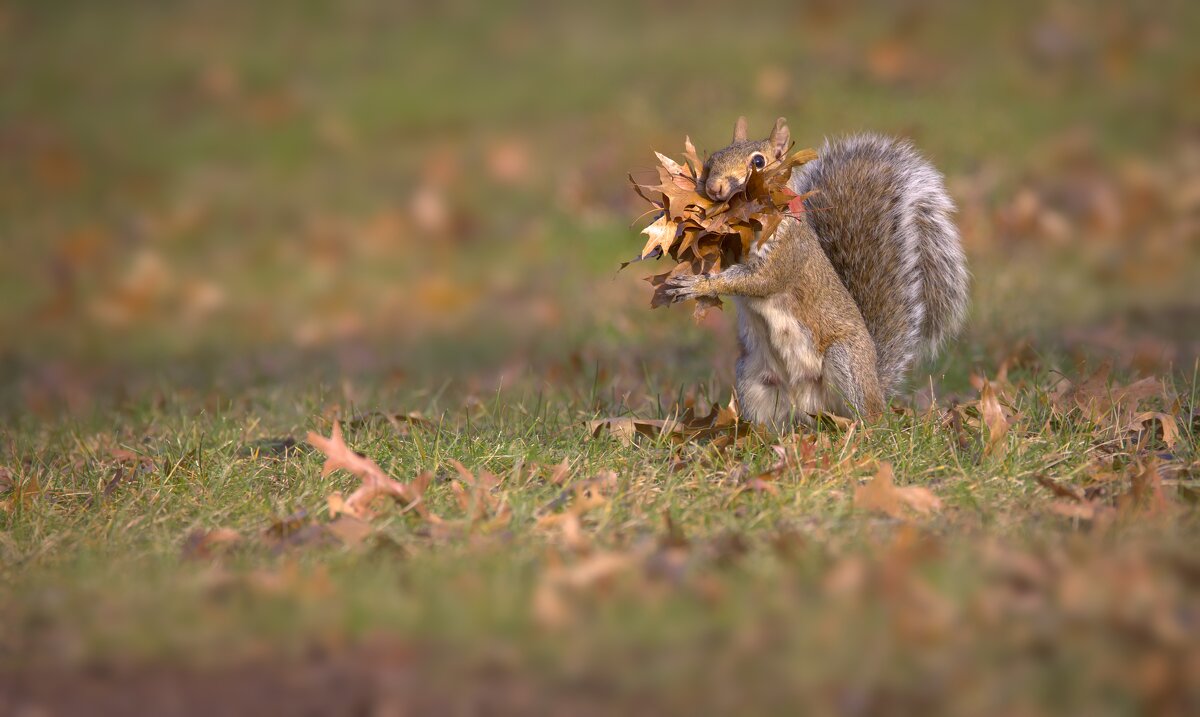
<point x="779" y="372"/>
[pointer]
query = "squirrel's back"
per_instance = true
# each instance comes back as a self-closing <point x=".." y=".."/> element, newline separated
<point x="883" y="217"/>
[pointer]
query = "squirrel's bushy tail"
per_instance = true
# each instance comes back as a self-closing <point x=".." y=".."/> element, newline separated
<point x="883" y="217"/>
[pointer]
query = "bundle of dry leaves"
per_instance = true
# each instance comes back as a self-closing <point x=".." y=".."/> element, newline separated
<point x="704" y="236"/>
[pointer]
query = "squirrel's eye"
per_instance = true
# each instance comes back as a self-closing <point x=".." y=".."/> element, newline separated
<point x="758" y="161"/>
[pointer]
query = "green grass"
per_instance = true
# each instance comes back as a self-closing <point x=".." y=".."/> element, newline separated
<point x="91" y="575"/>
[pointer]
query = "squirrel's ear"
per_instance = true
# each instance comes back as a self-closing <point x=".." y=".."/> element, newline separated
<point x="739" y="130"/>
<point x="781" y="137"/>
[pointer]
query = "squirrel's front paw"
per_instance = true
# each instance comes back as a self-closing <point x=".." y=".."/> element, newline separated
<point x="687" y="286"/>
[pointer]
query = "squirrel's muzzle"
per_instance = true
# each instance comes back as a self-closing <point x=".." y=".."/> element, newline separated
<point x="721" y="189"/>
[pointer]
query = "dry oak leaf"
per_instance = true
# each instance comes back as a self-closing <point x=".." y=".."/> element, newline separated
<point x="662" y="235"/>
<point x="995" y="421"/>
<point x="1000" y="383"/>
<point x="720" y="419"/>
<point x="1170" y="429"/>
<point x="702" y="236"/>
<point x="882" y="496"/>
<point x="375" y="482"/>
<point x="479" y="502"/>
<point x="1097" y="398"/>
<point x="685" y="427"/>
<point x="17" y="492"/>
<point x="349" y="529"/>
<point x="1062" y="490"/>
<point x="201" y="544"/>
<point x="569" y="528"/>
<point x="1145" y="496"/>
<point x="1072" y="502"/>
<point x="580" y="499"/>
<point x="625" y="429"/>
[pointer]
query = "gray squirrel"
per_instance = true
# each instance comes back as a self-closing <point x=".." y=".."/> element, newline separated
<point x="838" y="303"/>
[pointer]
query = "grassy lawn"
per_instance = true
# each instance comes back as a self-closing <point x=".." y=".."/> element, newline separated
<point x="227" y="226"/>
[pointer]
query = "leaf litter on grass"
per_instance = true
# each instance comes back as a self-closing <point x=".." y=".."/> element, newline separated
<point x="375" y="483"/>
<point x="598" y="544"/>
<point x="882" y="495"/>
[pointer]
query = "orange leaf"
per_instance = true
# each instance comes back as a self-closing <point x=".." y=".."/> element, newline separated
<point x="690" y="225"/>
<point x="662" y="235"/>
<point x="375" y="482"/>
<point x="1145" y="494"/>
<point x="1170" y="429"/>
<point x="202" y="544"/>
<point x="882" y="496"/>
<point x="993" y="418"/>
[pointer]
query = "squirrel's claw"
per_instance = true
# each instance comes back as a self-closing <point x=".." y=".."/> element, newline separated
<point x="685" y="286"/>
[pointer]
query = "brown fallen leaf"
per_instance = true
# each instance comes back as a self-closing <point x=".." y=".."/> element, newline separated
<point x="882" y="496"/>
<point x="625" y="429"/>
<point x="294" y="530"/>
<point x="284" y="526"/>
<point x="17" y="492"/>
<point x="569" y="528"/>
<point x="128" y="465"/>
<point x="1170" y="429"/>
<point x="349" y="529"/>
<point x="1061" y="490"/>
<point x="952" y="420"/>
<point x="1074" y="503"/>
<point x="375" y="482"/>
<point x="1145" y="496"/>
<point x="475" y="494"/>
<point x="1102" y="401"/>
<point x="719" y="420"/>
<point x="120" y="476"/>
<point x="201" y="544"/>
<point x="580" y="498"/>
<point x="686" y="427"/>
<point x="124" y="455"/>
<point x="336" y="503"/>
<point x="762" y="481"/>
<point x="1000" y="383"/>
<point x="560" y="472"/>
<point x="583" y="496"/>
<point x="995" y="421"/>
<point x="485" y="510"/>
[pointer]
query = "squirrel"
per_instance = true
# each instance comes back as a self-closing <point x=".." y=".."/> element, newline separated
<point x="835" y="306"/>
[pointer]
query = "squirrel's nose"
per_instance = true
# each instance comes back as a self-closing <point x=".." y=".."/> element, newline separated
<point x="718" y="190"/>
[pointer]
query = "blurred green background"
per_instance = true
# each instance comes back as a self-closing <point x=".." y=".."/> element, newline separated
<point x="218" y="191"/>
